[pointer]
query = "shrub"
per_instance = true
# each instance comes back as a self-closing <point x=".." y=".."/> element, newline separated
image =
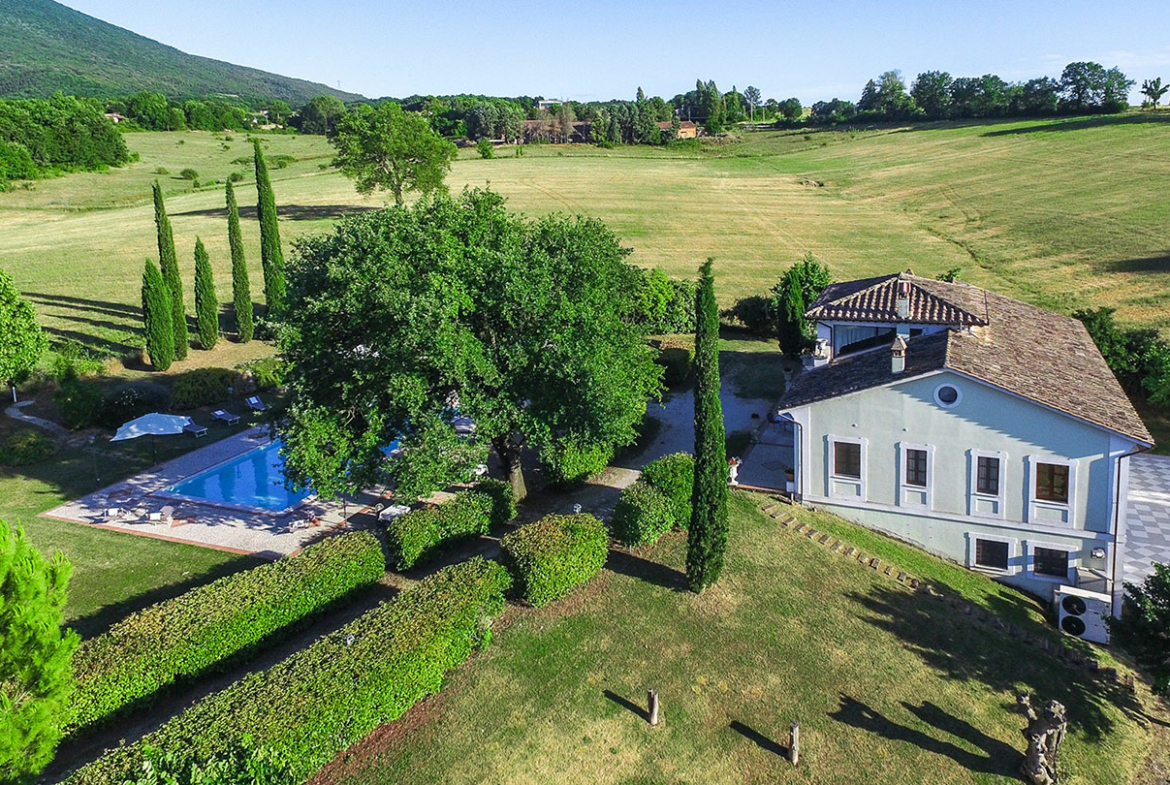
<point x="677" y="360"/>
<point x="80" y="403"/>
<point x="26" y="447"/>
<point x="485" y="148"/>
<point x="201" y="387"/>
<point x="266" y="374"/>
<point x="212" y="625"/>
<point x="756" y="314"/>
<point x="73" y="360"/>
<point x="235" y="177"/>
<point x="641" y="516"/>
<point x="568" y="462"/>
<point x="132" y="400"/>
<point x="550" y="557"/>
<point x="674" y="476"/>
<point x="324" y="698"/>
<point x="189" y="174"/>
<point x="244" y="763"/>
<point x="162" y="170"/>
<point x="420" y="533"/>
<point x="503" y="499"/>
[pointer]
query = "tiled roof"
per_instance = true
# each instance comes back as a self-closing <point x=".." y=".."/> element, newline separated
<point x="1033" y="353"/>
<point x="876" y="300"/>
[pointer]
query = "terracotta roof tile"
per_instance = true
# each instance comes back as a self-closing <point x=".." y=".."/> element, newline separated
<point x="876" y="300"/>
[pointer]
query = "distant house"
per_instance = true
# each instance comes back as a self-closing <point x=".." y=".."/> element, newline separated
<point x="978" y="427"/>
<point x="686" y="129"/>
<point x="114" y="117"/>
<point x="548" y="103"/>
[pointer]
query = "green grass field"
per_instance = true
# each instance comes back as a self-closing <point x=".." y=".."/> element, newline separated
<point x="887" y="685"/>
<point x="1065" y="213"/>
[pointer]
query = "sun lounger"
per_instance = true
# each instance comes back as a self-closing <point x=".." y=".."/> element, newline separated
<point x="228" y="417"/>
<point x="255" y="404"/>
<point x="195" y="428"/>
<point x="113" y="514"/>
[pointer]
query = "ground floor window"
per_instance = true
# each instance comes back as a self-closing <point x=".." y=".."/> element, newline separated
<point x="992" y="554"/>
<point x="1050" y="562"/>
<point x="847" y="459"/>
<point x="916" y="468"/>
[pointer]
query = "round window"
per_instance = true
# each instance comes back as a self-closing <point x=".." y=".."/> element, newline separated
<point x="947" y="395"/>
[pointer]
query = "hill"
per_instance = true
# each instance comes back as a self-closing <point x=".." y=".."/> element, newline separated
<point x="45" y="47"/>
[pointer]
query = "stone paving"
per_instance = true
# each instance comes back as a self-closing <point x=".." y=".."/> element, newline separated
<point x="14" y="411"/>
<point x="1147" y="516"/>
<point x="205" y="524"/>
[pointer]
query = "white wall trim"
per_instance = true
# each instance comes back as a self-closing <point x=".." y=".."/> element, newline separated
<point x="905" y="492"/>
<point x="973" y="495"/>
<point x="831" y="477"/>
<point x="1013" y="554"/>
<point x="1030" y="547"/>
<point x="1034" y="505"/>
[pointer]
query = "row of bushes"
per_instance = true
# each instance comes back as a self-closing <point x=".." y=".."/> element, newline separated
<point x="320" y="700"/>
<point x="24" y="448"/>
<point x="203" y="629"/>
<point x="550" y="557"/>
<point x="659" y="500"/>
<point x="420" y="533"/>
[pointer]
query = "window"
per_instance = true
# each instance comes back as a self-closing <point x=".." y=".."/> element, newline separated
<point x="916" y="468"/>
<point x="992" y="554"/>
<point x="1050" y="562"/>
<point x="1052" y="482"/>
<point x="987" y="475"/>
<point x="947" y="395"/>
<point x="847" y="459"/>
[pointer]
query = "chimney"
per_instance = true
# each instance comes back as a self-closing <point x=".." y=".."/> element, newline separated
<point x="898" y="355"/>
<point x="903" y="302"/>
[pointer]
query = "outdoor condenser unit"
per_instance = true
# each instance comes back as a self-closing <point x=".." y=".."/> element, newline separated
<point x="1082" y="613"/>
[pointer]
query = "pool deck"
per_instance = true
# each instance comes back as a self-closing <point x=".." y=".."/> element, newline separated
<point x="203" y="523"/>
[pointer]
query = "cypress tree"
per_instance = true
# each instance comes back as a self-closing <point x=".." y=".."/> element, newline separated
<point x="35" y="656"/>
<point x="169" y="264"/>
<point x="707" y="535"/>
<point x="156" y="314"/>
<point x="206" y="303"/>
<point x="241" y="288"/>
<point x="790" y="310"/>
<point x="271" y="257"/>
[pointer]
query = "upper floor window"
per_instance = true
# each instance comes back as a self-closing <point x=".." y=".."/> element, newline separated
<point x="916" y="468"/>
<point x="1052" y="482"/>
<point x="847" y="459"/>
<point x="987" y="475"/>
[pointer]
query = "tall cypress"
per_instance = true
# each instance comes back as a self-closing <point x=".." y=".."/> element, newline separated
<point x="156" y="316"/>
<point x="241" y="288"/>
<point x="169" y="265"/>
<point x="206" y="303"/>
<point x="271" y="256"/>
<point x="707" y="535"/>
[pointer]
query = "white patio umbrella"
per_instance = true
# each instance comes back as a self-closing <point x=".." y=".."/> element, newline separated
<point x="151" y="425"/>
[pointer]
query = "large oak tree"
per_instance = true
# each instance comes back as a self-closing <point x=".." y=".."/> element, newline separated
<point x="398" y="316"/>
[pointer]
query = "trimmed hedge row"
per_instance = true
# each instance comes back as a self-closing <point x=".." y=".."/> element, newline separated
<point x="322" y="699"/>
<point x="551" y="556"/>
<point x="659" y="500"/>
<point x="206" y="627"/>
<point x="418" y="534"/>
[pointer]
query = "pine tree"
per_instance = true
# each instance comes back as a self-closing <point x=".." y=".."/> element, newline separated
<point x="271" y="256"/>
<point x="168" y="262"/>
<point x="206" y="303"/>
<point x="35" y="656"/>
<point x="241" y="288"/>
<point x="790" y="310"/>
<point x="707" y="535"/>
<point x="156" y="315"/>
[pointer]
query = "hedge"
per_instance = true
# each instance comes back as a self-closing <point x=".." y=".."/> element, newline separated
<point x="677" y="362"/>
<point x="641" y="516"/>
<point x="674" y="476"/>
<point x="207" y="627"/>
<point x="551" y="556"/>
<point x="323" y="698"/>
<point x="417" y="535"/>
<point x="203" y="387"/>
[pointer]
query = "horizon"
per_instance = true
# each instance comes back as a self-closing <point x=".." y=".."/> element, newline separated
<point x="485" y="59"/>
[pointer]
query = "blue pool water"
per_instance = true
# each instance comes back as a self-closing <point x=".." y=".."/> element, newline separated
<point x="254" y="479"/>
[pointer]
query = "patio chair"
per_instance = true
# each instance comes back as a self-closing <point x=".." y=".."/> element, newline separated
<point x="225" y="416"/>
<point x="113" y="514"/>
<point x="194" y="428"/>
<point x="256" y="405"/>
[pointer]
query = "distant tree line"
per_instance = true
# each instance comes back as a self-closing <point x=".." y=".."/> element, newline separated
<point x="43" y="136"/>
<point x="150" y="111"/>
<point x="1083" y="88"/>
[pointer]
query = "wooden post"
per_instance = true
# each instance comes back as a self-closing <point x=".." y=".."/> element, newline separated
<point x="652" y="697"/>
<point x="794" y="744"/>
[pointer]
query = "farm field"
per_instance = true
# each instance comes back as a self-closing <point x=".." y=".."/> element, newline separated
<point x="1066" y="213"/>
<point x="879" y="678"/>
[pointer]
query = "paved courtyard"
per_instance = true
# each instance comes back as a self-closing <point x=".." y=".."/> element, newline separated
<point x="1147" y="516"/>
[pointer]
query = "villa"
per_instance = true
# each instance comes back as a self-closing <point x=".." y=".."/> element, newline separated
<point x="981" y="428"/>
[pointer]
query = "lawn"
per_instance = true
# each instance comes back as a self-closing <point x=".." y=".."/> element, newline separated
<point x="885" y="683"/>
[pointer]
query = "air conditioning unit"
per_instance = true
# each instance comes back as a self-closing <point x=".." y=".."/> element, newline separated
<point x="1082" y="613"/>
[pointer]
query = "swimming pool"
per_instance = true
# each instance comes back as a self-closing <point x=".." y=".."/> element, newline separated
<point x="252" y="480"/>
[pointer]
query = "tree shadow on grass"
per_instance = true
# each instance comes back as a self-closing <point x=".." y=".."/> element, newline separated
<point x="120" y="310"/>
<point x="963" y="649"/>
<point x="760" y="740"/>
<point x="292" y="212"/>
<point x="1149" y="264"/>
<point x="100" y="346"/>
<point x="625" y="563"/>
<point x="1052" y="124"/>
<point x="994" y="757"/>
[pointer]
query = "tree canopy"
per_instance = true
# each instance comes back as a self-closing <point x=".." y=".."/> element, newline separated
<point x="385" y="148"/>
<point x="400" y="316"/>
<point x="21" y="341"/>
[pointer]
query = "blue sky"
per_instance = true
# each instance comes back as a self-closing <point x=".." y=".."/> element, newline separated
<point x="599" y="49"/>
